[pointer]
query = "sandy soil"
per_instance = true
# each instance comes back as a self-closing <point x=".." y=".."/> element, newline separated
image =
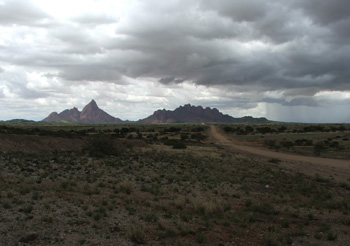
<point x="333" y="168"/>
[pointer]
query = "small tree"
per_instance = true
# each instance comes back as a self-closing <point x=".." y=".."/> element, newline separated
<point x="271" y="143"/>
<point x="319" y="148"/>
<point x="286" y="144"/>
<point x="179" y="145"/>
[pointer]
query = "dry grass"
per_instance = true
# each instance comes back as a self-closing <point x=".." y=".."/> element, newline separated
<point x="159" y="196"/>
<point x="207" y="207"/>
<point x="137" y="234"/>
<point x="126" y="187"/>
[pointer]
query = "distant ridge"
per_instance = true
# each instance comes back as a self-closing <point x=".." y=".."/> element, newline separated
<point x="91" y="113"/>
<point x="189" y="113"/>
<point x="19" y="121"/>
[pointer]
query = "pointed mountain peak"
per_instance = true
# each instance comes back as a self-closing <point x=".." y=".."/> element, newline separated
<point x="91" y="113"/>
<point x="92" y="104"/>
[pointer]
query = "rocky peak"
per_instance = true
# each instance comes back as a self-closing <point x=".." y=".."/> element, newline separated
<point x="188" y="113"/>
<point x="91" y="106"/>
<point x="91" y="113"/>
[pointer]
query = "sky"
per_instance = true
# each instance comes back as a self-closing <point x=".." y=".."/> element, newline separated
<point x="286" y="60"/>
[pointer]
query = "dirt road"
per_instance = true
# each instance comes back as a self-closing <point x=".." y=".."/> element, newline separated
<point x="337" y="169"/>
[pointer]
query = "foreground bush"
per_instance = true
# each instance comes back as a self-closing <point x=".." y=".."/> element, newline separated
<point x="102" y="146"/>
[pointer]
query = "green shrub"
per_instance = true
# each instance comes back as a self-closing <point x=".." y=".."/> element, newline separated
<point x="319" y="148"/>
<point x="27" y="209"/>
<point x="179" y="145"/>
<point x="126" y="187"/>
<point x="286" y="144"/>
<point x="264" y="208"/>
<point x="6" y="205"/>
<point x="275" y="160"/>
<point x="270" y="240"/>
<point x="176" y="144"/>
<point x="35" y="195"/>
<point x="248" y="203"/>
<point x="331" y="236"/>
<point x="102" y="146"/>
<point x="198" y="136"/>
<point x="200" y="238"/>
<point x="137" y="234"/>
<point x="270" y="143"/>
<point x="169" y="142"/>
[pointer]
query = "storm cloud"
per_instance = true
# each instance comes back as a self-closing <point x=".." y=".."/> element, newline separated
<point x="241" y="54"/>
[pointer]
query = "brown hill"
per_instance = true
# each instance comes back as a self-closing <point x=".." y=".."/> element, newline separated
<point x="91" y="114"/>
<point x="189" y="113"/>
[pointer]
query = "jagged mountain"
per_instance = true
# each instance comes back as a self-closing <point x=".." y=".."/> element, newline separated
<point x="91" y="113"/>
<point x="189" y="113"/>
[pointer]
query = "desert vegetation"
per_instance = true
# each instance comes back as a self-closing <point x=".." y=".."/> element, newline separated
<point x="325" y="140"/>
<point x="160" y="185"/>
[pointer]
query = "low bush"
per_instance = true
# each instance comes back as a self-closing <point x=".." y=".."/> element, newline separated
<point x="102" y="146"/>
<point x="179" y="145"/>
<point x="137" y="234"/>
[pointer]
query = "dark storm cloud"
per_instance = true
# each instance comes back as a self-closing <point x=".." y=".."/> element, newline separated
<point x="341" y="30"/>
<point x="296" y="46"/>
<point x="240" y="11"/>
<point x="21" y="12"/>
<point x="302" y="55"/>
<point x="294" y="102"/>
<point x="296" y="53"/>
<point x="309" y="101"/>
<point x="324" y="11"/>
<point x="167" y="80"/>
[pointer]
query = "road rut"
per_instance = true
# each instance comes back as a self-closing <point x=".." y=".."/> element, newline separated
<point x="339" y="169"/>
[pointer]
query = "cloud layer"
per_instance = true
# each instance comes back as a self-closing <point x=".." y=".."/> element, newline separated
<point x="243" y="56"/>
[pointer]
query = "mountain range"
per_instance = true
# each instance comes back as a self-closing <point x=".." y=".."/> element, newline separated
<point x="190" y="113"/>
<point x="91" y="113"/>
